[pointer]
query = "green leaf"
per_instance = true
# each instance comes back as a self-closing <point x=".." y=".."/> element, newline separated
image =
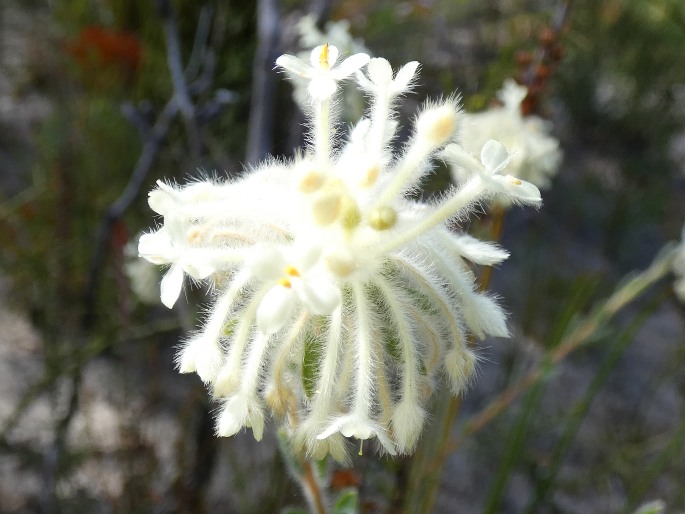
<point x="422" y="301"/>
<point x="347" y="502"/>
<point x="313" y="351"/>
<point x="229" y="327"/>
<point x="391" y="343"/>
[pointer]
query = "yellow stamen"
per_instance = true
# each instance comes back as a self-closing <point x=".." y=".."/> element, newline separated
<point x="370" y="176"/>
<point x="340" y="263"/>
<point x="311" y="182"/>
<point x="285" y="283"/>
<point x="292" y="271"/>
<point x="326" y="207"/>
<point x="194" y="235"/>
<point x="517" y="182"/>
<point x="323" y="57"/>
<point x="382" y="218"/>
<point x="350" y="216"/>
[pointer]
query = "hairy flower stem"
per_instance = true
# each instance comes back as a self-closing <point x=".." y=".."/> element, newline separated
<point x="469" y="193"/>
<point x="322" y="132"/>
<point x="364" y="385"/>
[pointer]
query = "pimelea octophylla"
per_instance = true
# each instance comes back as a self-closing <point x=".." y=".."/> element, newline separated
<point x="338" y="300"/>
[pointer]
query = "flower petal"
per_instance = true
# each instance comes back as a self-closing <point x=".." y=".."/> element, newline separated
<point x="320" y="297"/>
<point x="255" y="420"/>
<point x="349" y="66"/>
<point x="171" y="286"/>
<point x="266" y="262"/>
<point x="352" y="425"/>
<point x="494" y="156"/>
<point x="380" y="71"/>
<point x="404" y="77"/>
<point x="306" y="256"/>
<point x="477" y="251"/>
<point x="163" y="199"/>
<point x="295" y="66"/>
<point x="519" y="190"/>
<point x="275" y="309"/>
<point x="156" y="247"/>
<point x="232" y="417"/>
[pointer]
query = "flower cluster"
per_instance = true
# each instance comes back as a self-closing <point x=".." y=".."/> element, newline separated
<point x="535" y="155"/>
<point x="679" y="268"/>
<point x="338" y="299"/>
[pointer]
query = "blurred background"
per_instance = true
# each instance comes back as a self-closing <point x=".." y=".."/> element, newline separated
<point x="101" y="98"/>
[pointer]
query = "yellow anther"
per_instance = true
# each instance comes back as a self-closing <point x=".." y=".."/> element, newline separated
<point x="311" y="182"/>
<point x="194" y="235"/>
<point x="340" y="262"/>
<point x="285" y="283"/>
<point x="323" y="57"/>
<point x="437" y="125"/>
<point x="382" y="218"/>
<point x="350" y="216"/>
<point x="370" y="176"/>
<point x="516" y="182"/>
<point x="326" y="207"/>
<point x="292" y="271"/>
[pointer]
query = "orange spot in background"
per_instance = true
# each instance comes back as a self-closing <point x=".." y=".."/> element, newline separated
<point x="344" y="478"/>
<point x="100" y="49"/>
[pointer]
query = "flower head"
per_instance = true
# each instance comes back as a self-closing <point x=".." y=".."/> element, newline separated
<point x="340" y="301"/>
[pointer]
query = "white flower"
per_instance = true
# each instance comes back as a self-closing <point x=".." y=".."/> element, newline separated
<point x="292" y="282"/>
<point x="340" y="302"/>
<point x="361" y="428"/>
<point x="494" y="159"/>
<point x="380" y="78"/>
<point x="322" y="73"/>
<point x="168" y="246"/>
<point x="238" y="412"/>
<point x="335" y="33"/>
<point x="535" y="154"/>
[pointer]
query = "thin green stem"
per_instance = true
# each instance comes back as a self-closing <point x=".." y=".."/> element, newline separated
<point x="617" y="348"/>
